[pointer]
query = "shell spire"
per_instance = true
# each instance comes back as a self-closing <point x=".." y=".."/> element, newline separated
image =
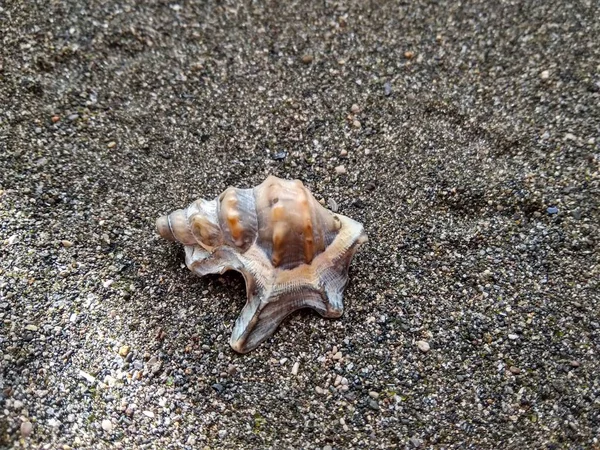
<point x="292" y="252"/>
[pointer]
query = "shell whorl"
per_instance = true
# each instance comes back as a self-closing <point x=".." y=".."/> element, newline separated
<point x="292" y="252"/>
<point x="280" y="216"/>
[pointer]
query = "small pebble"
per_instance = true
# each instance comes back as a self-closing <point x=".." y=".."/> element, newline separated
<point x="374" y="405"/>
<point x="295" y="368"/>
<point x="31" y="327"/>
<point x="148" y="414"/>
<point x="355" y="108"/>
<point x="124" y="350"/>
<point x="387" y="89"/>
<point x="513" y="337"/>
<point x="409" y="54"/>
<point x="544" y="75"/>
<point x="356" y="124"/>
<point x="107" y="425"/>
<point x="66" y="243"/>
<point x="55" y="119"/>
<point x="552" y="210"/>
<point x="423" y="346"/>
<point x="26" y="428"/>
<point x="111" y="144"/>
<point x="340" y="170"/>
<point x="307" y="59"/>
<point x="374" y="395"/>
<point x="514" y="370"/>
<point x="337" y="356"/>
<point x="416" y="442"/>
<point x="332" y="205"/>
<point x="344" y="152"/>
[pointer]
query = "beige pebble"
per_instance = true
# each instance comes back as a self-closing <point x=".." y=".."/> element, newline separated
<point x="340" y="170"/>
<point x="66" y="243"/>
<point x="337" y="356"/>
<point x="26" y="428"/>
<point x="111" y="144"/>
<point x="124" y="350"/>
<point x="344" y="152"/>
<point x="307" y="59"/>
<point x="356" y="124"/>
<point x="355" y="108"/>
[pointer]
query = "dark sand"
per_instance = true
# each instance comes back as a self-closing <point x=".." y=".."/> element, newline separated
<point x="474" y="165"/>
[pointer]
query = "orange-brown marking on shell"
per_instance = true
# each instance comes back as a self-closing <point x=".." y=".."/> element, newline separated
<point x="280" y="231"/>
<point x="309" y="247"/>
<point x="232" y="215"/>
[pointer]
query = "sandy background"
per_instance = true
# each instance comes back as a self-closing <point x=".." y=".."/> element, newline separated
<point x="473" y="162"/>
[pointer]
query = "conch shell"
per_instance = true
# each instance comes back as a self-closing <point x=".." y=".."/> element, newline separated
<point x="292" y="252"/>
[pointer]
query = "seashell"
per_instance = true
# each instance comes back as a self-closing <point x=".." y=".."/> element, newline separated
<point x="292" y="252"/>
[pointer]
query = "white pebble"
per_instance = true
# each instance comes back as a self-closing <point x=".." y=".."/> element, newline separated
<point x="423" y="346"/>
<point x="340" y="170"/>
<point x="87" y="376"/>
<point x="295" y="368"/>
<point x="545" y="75"/>
<point x="149" y="414"/>
<point x="107" y="425"/>
<point x="54" y="423"/>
